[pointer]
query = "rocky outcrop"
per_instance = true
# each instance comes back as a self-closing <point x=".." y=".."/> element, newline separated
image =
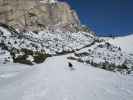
<point x="37" y="15"/>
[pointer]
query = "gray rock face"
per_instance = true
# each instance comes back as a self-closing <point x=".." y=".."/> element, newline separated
<point x="37" y="15"/>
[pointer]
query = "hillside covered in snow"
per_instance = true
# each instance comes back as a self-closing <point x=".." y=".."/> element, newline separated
<point x="26" y="43"/>
<point x="47" y="54"/>
<point x="35" y="47"/>
<point x="124" y="42"/>
<point x="113" y="54"/>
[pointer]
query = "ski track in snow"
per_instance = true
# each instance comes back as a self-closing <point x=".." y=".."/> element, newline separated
<point x="53" y="80"/>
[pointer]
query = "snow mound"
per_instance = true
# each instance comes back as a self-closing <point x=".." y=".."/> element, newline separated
<point x="124" y="42"/>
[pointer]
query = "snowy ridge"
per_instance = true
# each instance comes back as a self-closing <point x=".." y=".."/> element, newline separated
<point x="124" y="42"/>
<point x="106" y="56"/>
<point x="59" y="42"/>
<point x="46" y="42"/>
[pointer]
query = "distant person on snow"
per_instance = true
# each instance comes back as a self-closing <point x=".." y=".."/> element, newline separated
<point x="70" y="65"/>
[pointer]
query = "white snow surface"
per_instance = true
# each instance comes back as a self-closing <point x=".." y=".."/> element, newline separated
<point x="54" y="80"/>
<point x="125" y="42"/>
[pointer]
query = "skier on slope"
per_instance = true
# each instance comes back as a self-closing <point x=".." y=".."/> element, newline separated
<point x="70" y="65"/>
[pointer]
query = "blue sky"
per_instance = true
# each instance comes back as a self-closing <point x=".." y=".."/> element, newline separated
<point x="105" y="17"/>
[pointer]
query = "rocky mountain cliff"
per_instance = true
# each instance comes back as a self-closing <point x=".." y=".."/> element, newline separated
<point x="39" y="15"/>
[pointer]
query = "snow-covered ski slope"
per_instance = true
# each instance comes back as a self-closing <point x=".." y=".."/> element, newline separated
<point x="54" y="80"/>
